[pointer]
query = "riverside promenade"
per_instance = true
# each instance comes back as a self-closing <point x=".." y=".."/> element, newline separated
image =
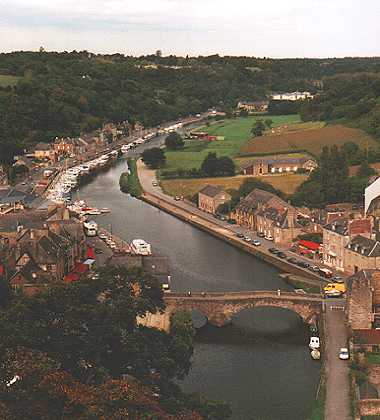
<point x="189" y="213"/>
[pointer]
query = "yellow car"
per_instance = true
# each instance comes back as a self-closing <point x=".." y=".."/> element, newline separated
<point x="334" y="289"/>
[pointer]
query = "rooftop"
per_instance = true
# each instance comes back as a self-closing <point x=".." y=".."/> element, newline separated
<point x="211" y="190"/>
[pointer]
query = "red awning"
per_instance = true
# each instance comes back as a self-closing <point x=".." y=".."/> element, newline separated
<point x="2" y="271"/>
<point x="81" y="268"/>
<point x="91" y="253"/>
<point x="314" y="246"/>
<point x="71" y="277"/>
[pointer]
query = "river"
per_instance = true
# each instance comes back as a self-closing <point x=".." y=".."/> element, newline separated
<point x="260" y="364"/>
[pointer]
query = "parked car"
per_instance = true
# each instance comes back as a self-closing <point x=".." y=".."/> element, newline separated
<point x="177" y="198"/>
<point x="303" y="264"/>
<point x="273" y="250"/>
<point x="256" y="242"/>
<point x="240" y="235"/>
<point x="155" y="183"/>
<point x="344" y="353"/>
<point x="269" y="237"/>
<point x="281" y="255"/>
<point x="325" y="272"/>
<point x="260" y="234"/>
<point x="231" y="221"/>
<point x="292" y="260"/>
<point x="337" y="279"/>
<point x="247" y="238"/>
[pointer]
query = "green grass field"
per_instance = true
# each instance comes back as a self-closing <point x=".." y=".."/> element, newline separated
<point x="236" y="133"/>
<point x="6" y="80"/>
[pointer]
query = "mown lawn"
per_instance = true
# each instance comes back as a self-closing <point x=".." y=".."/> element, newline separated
<point x="236" y="133"/>
<point x="287" y="183"/>
<point x="6" y="80"/>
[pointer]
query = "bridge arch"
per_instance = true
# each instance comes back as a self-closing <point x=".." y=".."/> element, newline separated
<point x="220" y="308"/>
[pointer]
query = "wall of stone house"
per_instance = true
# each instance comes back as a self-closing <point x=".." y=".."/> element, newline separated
<point x="353" y="259"/>
<point x="286" y="236"/>
<point x="359" y="304"/>
<point x="206" y="203"/>
<point x="336" y="243"/>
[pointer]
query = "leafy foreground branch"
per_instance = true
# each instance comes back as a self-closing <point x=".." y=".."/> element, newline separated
<point x="76" y="352"/>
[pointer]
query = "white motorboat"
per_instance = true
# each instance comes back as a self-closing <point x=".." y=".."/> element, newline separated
<point x="315" y="354"/>
<point x="90" y="228"/>
<point x="141" y="247"/>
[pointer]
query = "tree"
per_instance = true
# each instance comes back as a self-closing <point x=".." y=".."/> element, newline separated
<point x="174" y="141"/>
<point x="154" y="157"/>
<point x="80" y="340"/>
<point x="214" y="166"/>
<point x="210" y="164"/>
<point x="258" y="128"/>
<point x="268" y="122"/>
<point x="365" y="171"/>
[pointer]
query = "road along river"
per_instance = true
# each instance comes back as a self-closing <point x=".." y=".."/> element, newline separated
<point x="260" y="364"/>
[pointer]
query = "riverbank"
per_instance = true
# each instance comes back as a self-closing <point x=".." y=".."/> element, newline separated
<point x="249" y="363"/>
<point x="192" y="215"/>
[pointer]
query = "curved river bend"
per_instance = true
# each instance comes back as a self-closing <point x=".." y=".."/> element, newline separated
<point x="260" y="364"/>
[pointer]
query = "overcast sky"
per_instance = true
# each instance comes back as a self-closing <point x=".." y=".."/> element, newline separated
<point x="273" y="28"/>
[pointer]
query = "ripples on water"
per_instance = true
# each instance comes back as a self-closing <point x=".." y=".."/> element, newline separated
<point x="260" y="363"/>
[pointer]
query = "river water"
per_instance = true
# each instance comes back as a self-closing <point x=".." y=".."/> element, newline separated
<point x="260" y="364"/>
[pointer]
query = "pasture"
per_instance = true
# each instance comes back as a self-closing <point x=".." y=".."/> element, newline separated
<point x="287" y="183"/>
<point x="236" y="133"/>
<point x="310" y="140"/>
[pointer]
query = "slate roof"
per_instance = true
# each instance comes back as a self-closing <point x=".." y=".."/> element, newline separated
<point x="339" y="225"/>
<point x="211" y="190"/>
<point x="276" y="161"/>
<point x="42" y="146"/>
<point x="10" y="195"/>
<point x="256" y="198"/>
<point x="364" y="246"/>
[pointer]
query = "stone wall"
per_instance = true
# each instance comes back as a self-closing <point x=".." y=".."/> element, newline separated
<point x="370" y="407"/>
<point x="360" y="303"/>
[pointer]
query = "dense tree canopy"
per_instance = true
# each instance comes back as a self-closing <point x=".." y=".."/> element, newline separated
<point x="174" y="141"/>
<point x="154" y="157"/>
<point x="61" y="94"/>
<point x="70" y="347"/>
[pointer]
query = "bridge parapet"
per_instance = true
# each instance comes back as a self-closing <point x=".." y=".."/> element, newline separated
<point x="219" y="308"/>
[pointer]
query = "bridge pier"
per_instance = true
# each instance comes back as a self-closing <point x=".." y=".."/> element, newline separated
<point x="219" y="319"/>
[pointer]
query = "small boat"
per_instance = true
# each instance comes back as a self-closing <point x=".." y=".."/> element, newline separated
<point x="140" y="247"/>
<point x="105" y="210"/>
<point x="315" y="354"/>
<point x="94" y="212"/>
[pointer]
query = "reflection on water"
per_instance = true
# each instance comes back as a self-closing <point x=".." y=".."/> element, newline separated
<point x="259" y="363"/>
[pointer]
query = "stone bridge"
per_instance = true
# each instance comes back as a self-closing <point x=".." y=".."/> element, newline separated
<point x="219" y="308"/>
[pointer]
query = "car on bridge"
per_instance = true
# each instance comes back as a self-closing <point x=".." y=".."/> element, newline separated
<point x="256" y="242"/>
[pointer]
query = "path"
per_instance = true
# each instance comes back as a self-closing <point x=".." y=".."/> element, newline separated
<point x="337" y="371"/>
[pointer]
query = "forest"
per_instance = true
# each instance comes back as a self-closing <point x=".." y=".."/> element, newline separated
<point x="46" y="94"/>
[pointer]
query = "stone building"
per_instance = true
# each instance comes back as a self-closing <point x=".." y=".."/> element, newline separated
<point x="278" y="164"/>
<point x="265" y="212"/>
<point x="253" y="106"/>
<point x="43" y="151"/>
<point x="361" y="253"/>
<point x="44" y="246"/>
<point x="211" y="197"/>
<point x="336" y="237"/>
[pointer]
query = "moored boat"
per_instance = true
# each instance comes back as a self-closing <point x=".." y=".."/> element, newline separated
<point x="141" y="247"/>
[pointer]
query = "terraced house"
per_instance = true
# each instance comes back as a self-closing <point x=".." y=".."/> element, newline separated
<point x="44" y="246"/>
<point x="264" y="212"/>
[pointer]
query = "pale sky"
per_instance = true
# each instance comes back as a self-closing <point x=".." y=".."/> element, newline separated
<point x="271" y="28"/>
